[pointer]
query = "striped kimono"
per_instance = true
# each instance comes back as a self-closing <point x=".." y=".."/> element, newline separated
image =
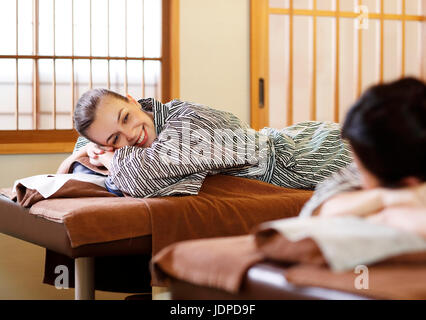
<point x="194" y="141"/>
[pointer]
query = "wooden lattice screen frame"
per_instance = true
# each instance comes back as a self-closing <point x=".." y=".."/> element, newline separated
<point x="259" y="49"/>
<point x="58" y="141"/>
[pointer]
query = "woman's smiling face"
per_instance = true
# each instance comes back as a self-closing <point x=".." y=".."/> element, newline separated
<point x="121" y="123"/>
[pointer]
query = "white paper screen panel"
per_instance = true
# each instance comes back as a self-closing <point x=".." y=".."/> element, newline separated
<point x="324" y="88"/>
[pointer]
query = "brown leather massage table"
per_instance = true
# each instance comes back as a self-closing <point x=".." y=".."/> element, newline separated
<point x="267" y="265"/>
<point x="17" y="222"/>
<point x="100" y="238"/>
<point x="233" y="268"/>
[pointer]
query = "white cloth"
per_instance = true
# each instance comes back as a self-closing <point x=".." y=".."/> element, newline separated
<point x="347" y="242"/>
<point x="48" y="184"/>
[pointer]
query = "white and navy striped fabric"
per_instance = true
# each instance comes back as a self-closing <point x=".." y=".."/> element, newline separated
<point x="307" y="153"/>
<point x="194" y="141"/>
<point x="346" y="179"/>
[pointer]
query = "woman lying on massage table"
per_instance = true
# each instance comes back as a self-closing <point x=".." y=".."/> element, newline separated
<point x="386" y="129"/>
<point x="155" y="149"/>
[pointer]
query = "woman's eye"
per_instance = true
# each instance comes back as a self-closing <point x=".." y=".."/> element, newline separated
<point x="126" y="118"/>
<point x="115" y="140"/>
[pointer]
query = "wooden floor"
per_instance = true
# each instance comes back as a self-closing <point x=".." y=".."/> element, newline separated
<point x="21" y="274"/>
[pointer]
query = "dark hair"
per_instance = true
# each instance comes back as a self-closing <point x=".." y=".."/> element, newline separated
<point x="386" y="128"/>
<point x="85" y="110"/>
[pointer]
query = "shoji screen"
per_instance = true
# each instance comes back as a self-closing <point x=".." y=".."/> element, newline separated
<point x="321" y="54"/>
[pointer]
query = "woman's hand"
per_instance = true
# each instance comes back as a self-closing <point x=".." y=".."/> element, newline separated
<point x="372" y="201"/>
<point x="94" y="152"/>
<point x="103" y="159"/>
<point x="354" y="203"/>
<point x="407" y="218"/>
<point x="407" y="196"/>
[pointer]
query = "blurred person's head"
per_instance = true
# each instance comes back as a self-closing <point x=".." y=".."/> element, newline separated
<point x="386" y="128"/>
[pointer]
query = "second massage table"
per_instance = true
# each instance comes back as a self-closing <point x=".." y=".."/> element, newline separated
<point x="319" y="258"/>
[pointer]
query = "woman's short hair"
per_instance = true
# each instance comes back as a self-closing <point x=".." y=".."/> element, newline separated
<point x="85" y="110"/>
<point x="386" y="128"/>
